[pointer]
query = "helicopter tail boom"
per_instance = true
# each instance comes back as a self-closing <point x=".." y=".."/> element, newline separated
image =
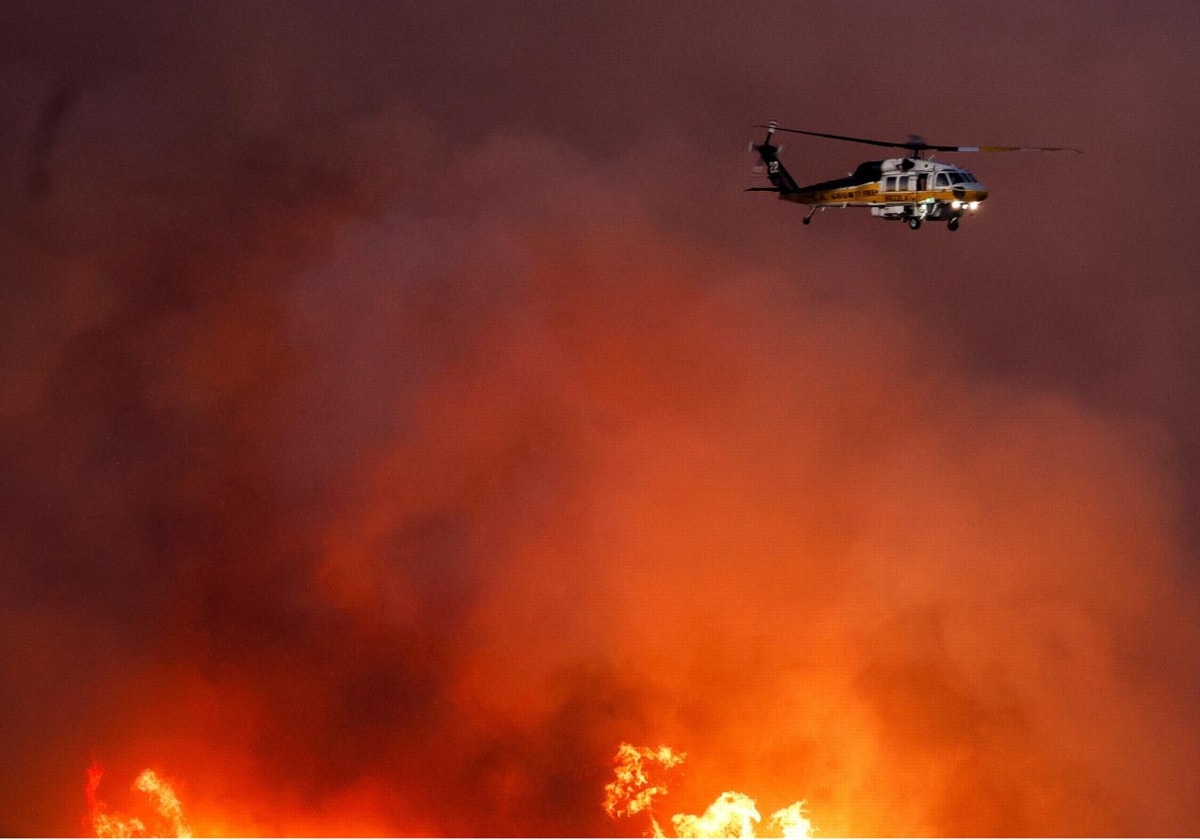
<point x="781" y="180"/>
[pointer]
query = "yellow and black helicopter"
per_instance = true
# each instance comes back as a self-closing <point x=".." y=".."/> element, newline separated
<point x="911" y="189"/>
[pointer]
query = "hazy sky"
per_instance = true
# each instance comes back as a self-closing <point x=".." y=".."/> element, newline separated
<point x="402" y="405"/>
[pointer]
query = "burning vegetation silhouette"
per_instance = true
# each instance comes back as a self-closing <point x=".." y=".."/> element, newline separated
<point x="641" y="779"/>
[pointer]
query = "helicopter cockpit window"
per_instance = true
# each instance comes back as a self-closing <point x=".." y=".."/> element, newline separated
<point x="941" y="181"/>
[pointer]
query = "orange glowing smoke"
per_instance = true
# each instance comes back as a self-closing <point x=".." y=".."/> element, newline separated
<point x="638" y="783"/>
<point x="167" y="820"/>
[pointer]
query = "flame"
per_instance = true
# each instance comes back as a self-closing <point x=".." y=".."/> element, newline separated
<point x="732" y="814"/>
<point x="169" y="822"/>
<point x="631" y="792"/>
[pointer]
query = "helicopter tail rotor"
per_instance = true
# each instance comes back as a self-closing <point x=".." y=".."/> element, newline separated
<point x="757" y="168"/>
<point x="768" y="157"/>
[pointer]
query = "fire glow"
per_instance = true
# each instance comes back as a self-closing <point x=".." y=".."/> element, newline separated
<point x="167" y="819"/>
<point x="640" y="773"/>
<point x="640" y="779"/>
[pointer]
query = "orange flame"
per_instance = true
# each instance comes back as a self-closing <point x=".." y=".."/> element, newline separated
<point x="170" y="821"/>
<point x="732" y="814"/>
<point x="631" y="792"/>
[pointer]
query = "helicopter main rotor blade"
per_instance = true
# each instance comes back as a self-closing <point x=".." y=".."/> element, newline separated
<point x="1011" y="149"/>
<point x="886" y="143"/>
<point x="921" y="146"/>
<point x="917" y="145"/>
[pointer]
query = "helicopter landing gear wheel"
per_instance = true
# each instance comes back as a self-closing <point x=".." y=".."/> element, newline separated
<point x="952" y="224"/>
<point x="914" y="223"/>
<point x="806" y="220"/>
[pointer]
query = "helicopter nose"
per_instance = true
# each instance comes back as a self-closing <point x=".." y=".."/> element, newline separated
<point x="970" y="193"/>
<point x="968" y="196"/>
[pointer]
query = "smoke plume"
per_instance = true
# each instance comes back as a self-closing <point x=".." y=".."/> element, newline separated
<point x="368" y="473"/>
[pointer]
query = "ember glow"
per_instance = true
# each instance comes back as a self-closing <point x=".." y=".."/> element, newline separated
<point x="640" y="779"/>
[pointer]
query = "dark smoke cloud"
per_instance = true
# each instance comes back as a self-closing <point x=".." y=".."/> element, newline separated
<point x="402" y="407"/>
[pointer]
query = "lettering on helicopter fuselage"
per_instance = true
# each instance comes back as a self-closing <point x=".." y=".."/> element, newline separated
<point x="849" y="195"/>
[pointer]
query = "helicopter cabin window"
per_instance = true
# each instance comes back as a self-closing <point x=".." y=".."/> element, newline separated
<point x="941" y="181"/>
<point x="921" y="179"/>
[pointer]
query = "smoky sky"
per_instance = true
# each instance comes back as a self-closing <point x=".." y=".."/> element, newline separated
<point x="402" y="405"/>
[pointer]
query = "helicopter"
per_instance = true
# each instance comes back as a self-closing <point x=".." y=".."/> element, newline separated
<point x="912" y="189"/>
